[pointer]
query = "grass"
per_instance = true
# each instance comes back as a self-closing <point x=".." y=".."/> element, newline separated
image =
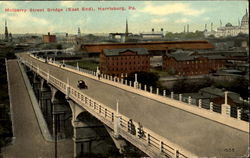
<point x="159" y="72"/>
<point x="89" y="65"/>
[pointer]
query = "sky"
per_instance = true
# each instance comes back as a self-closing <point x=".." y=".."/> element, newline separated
<point x="142" y="16"/>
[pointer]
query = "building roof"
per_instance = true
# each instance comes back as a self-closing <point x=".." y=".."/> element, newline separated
<point x="220" y="92"/>
<point x="245" y="18"/>
<point x="150" y="46"/>
<point x="188" y="55"/>
<point x="116" y="52"/>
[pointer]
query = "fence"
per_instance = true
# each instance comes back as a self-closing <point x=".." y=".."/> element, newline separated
<point x="187" y="100"/>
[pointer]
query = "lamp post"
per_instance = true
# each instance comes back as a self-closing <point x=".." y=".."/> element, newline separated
<point x="56" y="119"/>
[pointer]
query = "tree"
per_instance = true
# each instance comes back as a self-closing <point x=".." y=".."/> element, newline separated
<point x="59" y="46"/>
<point x="10" y="55"/>
<point x="240" y="85"/>
<point x="148" y="78"/>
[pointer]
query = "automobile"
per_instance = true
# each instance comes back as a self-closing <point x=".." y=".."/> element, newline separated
<point x="82" y="85"/>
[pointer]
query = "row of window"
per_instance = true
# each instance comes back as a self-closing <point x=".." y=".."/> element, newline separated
<point x="205" y="66"/>
<point x="192" y="73"/>
<point x="193" y="62"/>
<point x="128" y="69"/>
<point x="128" y="57"/>
<point x="128" y="63"/>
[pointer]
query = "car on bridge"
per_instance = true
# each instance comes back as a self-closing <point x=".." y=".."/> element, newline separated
<point x="82" y="85"/>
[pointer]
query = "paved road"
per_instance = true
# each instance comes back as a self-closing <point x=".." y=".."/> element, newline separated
<point x="29" y="141"/>
<point x="199" y="135"/>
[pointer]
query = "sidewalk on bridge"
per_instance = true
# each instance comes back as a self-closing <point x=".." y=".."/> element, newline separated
<point x="40" y="119"/>
<point x="29" y="142"/>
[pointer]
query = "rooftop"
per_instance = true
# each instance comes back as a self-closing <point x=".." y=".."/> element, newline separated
<point x="116" y="52"/>
<point x="189" y="55"/>
<point x="220" y="92"/>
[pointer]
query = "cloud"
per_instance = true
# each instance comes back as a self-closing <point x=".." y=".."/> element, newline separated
<point x="135" y="15"/>
<point x="173" y="8"/>
<point x="20" y="21"/>
<point x="206" y="18"/>
<point x="67" y="3"/>
<point x="182" y="20"/>
<point x="7" y="4"/>
<point x="24" y="19"/>
<point x="159" y="20"/>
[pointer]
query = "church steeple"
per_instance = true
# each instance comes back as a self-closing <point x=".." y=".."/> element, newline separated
<point x="79" y="32"/>
<point x="6" y="32"/>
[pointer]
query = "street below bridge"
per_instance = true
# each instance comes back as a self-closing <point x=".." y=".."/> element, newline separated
<point x="197" y="134"/>
<point x="29" y="142"/>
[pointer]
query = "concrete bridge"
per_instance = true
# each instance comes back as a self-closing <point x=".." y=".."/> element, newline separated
<point x="52" y="52"/>
<point x="171" y="128"/>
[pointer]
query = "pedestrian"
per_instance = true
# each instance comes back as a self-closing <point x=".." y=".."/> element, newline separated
<point x="140" y="131"/>
<point x="129" y="125"/>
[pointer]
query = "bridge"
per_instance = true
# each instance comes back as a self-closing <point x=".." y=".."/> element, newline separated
<point x="171" y="128"/>
<point x="52" y="52"/>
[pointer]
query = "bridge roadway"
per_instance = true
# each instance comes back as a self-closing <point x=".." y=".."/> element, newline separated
<point x="198" y="135"/>
<point x="29" y="142"/>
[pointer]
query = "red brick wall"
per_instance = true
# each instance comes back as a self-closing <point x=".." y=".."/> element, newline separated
<point x="195" y="67"/>
<point x="150" y="46"/>
<point x="49" y="38"/>
<point x="125" y="63"/>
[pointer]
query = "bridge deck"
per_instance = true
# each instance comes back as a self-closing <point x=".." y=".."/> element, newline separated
<point x="199" y="135"/>
<point x="29" y="142"/>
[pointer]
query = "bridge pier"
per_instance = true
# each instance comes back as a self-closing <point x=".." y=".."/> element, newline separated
<point x="36" y="85"/>
<point x="89" y="133"/>
<point x="44" y="101"/>
<point x="60" y="113"/>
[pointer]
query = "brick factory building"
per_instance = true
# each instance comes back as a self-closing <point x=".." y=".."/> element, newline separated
<point x="191" y="63"/>
<point x="152" y="47"/>
<point x="116" y="62"/>
<point x="49" y="38"/>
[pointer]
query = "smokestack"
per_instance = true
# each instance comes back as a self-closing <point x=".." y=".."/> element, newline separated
<point x="188" y="28"/>
<point x="48" y="33"/>
<point x="184" y="28"/>
<point x="205" y="27"/>
<point x="153" y="29"/>
<point x="161" y="29"/>
<point x="211" y="27"/>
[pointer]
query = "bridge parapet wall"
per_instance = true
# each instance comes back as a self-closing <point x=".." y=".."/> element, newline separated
<point x="198" y="110"/>
<point x="151" y="143"/>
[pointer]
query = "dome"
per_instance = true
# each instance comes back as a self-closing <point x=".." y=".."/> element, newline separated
<point x="244" y="20"/>
<point x="228" y="25"/>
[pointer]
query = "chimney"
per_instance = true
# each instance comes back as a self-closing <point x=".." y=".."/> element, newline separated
<point x="153" y="29"/>
<point x="161" y="29"/>
<point x="48" y="33"/>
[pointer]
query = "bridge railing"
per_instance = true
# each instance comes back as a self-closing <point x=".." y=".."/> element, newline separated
<point x="107" y="115"/>
<point x="200" y="109"/>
